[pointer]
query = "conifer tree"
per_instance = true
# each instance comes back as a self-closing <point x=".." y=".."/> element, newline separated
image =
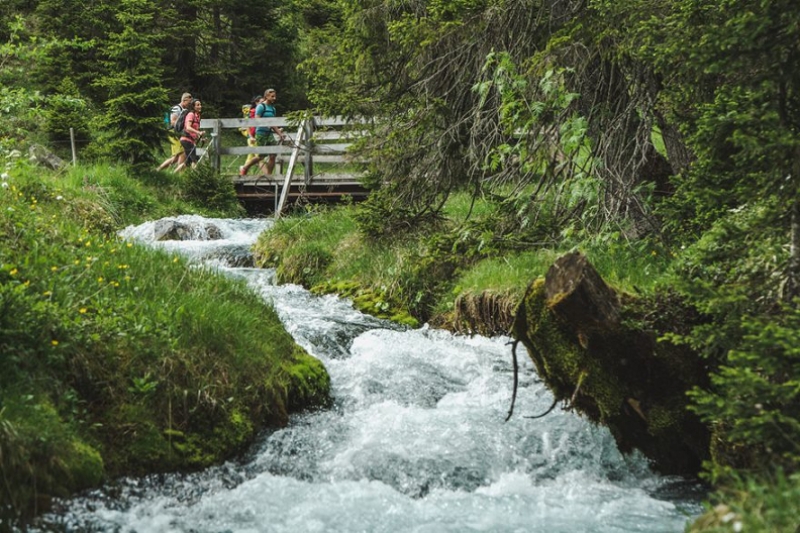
<point x="130" y="128"/>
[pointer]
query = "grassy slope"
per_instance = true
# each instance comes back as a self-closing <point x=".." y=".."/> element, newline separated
<point x="118" y="359"/>
<point x="424" y="274"/>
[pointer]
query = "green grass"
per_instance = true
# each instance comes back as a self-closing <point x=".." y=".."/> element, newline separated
<point x="118" y="359"/>
<point x="325" y="247"/>
<point x="635" y="267"/>
<point x="509" y="274"/>
<point x="460" y="205"/>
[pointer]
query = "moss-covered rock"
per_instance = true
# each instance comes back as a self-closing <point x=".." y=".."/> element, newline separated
<point x="83" y="466"/>
<point x="369" y="301"/>
<point x="307" y="383"/>
<point x="619" y="372"/>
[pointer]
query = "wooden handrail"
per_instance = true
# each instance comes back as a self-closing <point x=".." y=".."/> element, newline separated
<point x="226" y="123"/>
<point x="322" y="146"/>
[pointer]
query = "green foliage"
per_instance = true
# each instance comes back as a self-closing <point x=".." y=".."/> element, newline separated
<point x="19" y="101"/>
<point x="736" y="270"/>
<point x="767" y="502"/>
<point x="754" y="403"/>
<point x="736" y="274"/>
<point x="64" y="111"/>
<point x="520" y="111"/>
<point x="383" y="215"/>
<point x="733" y="90"/>
<point x="19" y="50"/>
<point x="204" y="186"/>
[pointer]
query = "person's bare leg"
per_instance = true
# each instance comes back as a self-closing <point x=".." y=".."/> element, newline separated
<point x="169" y="161"/>
<point x="270" y="164"/>
<point x="249" y="163"/>
<point x="263" y="167"/>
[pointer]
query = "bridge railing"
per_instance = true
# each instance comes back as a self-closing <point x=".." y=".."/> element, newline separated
<point x="316" y="140"/>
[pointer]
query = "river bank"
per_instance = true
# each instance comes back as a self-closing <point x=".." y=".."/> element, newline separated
<point x="449" y="276"/>
<point x="119" y="359"/>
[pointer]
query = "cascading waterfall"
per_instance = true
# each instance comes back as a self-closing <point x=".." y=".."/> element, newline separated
<point x="415" y="441"/>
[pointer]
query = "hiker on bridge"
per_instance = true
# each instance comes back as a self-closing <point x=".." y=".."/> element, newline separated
<point x="177" y="155"/>
<point x="191" y="135"/>
<point x="265" y="135"/>
<point x="250" y="133"/>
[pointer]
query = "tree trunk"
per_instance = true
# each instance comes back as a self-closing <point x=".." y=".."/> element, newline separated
<point x="578" y="295"/>
<point x="602" y="354"/>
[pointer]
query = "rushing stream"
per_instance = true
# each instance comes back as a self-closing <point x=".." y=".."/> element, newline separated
<point x="415" y="442"/>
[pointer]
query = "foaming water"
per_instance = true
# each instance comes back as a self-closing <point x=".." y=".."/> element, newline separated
<point x="415" y="441"/>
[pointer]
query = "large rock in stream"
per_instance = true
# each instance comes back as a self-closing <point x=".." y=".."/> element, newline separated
<point x="599" y="352"/>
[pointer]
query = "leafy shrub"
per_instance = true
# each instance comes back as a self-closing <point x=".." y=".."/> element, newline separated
<point x="204" y="186"/>
<point x="754" y="402"/>
<point x="736" y="275"/>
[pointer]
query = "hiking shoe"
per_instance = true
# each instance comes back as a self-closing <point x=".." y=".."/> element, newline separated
<point x="241" y="171"/>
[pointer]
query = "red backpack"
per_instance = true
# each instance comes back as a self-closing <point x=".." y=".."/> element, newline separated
<point x="253" y="115"/>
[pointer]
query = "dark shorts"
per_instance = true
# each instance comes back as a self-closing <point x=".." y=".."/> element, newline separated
<point x="191" y="153"/>
<point x="266" y="139"/>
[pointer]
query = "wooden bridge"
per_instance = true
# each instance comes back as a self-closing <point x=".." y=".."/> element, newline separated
<point x="313" y="165"/>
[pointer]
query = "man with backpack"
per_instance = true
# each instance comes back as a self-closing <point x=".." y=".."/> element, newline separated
<point x="265" y="135"/>
<point x="177" y="152"/>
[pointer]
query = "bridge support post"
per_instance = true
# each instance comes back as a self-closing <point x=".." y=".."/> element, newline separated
<point x="308" y="162"/>
<point x="216" y="138"/>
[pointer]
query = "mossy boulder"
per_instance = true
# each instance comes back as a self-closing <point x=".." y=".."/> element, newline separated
<point x="306" y="382"/>
<point x="603" y="354"/>
<point x="370" y="301"/>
